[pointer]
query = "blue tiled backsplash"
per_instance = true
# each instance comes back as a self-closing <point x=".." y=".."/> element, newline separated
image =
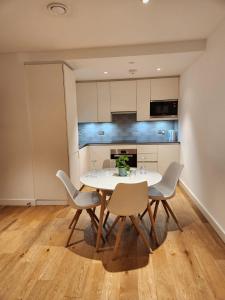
<point x="126" y="129"/>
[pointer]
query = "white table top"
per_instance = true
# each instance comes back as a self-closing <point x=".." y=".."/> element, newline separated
<point x="107" y="179"/>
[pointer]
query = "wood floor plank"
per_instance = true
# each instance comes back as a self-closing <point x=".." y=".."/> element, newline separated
<point x="34" y="263"/>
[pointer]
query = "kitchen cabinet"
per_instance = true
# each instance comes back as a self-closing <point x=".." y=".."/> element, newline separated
<point x="45" y="85"/>
<point x="97" y="155"/>
<point x="151" y="157"/>
<point x="87" y="101"/>
<point x="166" y="155"/>
<point x="75" y="169"/>
<point x="84" y="160"/>
<point x="123" y="95"/>
<point x="143" y="99"/>
<point x="103" y="90"/>
<point x="164" y="88"/>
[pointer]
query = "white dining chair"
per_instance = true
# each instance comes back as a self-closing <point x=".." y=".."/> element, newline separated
<point x="79" y="201"/>
<point x="128" y="200"/>
<point x="165" y="190"/>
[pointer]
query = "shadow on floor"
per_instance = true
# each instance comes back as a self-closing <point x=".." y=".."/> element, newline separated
<point x="133" y="254"/>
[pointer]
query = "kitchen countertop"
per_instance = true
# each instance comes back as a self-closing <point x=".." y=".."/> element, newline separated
<point x="127" y="143"/>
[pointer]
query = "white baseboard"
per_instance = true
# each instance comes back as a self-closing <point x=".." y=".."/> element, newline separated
<point x="219" y="230"/>
<point x="51" y="202"/>
<point x="31" y="202"/>
<point x="17" y="202"/>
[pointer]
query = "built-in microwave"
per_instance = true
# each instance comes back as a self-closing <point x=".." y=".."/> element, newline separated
<point x="164" y="108"/>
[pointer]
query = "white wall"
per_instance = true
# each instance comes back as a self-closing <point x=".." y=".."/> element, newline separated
<point x="16" y="178"/>
<point x="202" y="130"/>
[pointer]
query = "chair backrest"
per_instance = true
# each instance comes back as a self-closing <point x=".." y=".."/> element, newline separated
<point x="109" y="163"/>
<point x="129" y="199"/>
<point x="72" y="191"/>
<point x="171" y="176"/>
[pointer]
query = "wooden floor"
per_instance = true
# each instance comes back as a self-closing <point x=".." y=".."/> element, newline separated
<point x="34" y="264"/>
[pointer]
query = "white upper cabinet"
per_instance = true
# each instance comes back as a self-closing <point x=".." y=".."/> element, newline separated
<point x="143" y="99"/>
<point x="164" y="88"/>
<point x="123" y="95"/>
<point x="104" y="114"/>
<point x="87" y="102"/>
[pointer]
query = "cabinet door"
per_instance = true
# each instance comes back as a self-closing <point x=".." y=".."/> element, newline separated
<point x="164" y="88"/>
<point x="71" y="109"/>
<point x="150" y="166"/>
<point x="166" y="155"/>
<point x="104" y="113"/>
<point x="143" y="100"/>
<point x="75" y="169"/>
<point x="98" y="154"/>
<point x="123" y="95"/>
<point x="84" y="160"/>
<point x="49" y="129"/>
<point x="87" y="105"/>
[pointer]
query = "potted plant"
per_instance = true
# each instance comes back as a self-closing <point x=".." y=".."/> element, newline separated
<point x="122" y="165"/>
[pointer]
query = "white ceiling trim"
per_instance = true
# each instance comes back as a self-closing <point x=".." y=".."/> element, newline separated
<point x="118" y="51"/>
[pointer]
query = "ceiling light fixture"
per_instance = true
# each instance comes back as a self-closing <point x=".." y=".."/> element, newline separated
<point x="145" y="1"/>
<point x="106" y="72"/>
<point x="57" y="9"/>
<point x="158" y="69"/>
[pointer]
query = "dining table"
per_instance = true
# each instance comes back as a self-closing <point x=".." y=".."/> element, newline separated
<point x="106" y="180"/>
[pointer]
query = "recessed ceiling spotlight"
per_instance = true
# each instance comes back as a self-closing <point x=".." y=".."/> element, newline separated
<point x="158" y="69"/>
<point x="57" y="9"/>
<point x="145" y="1"/>
<point x="131" y="62"/>
<point x="106" y="72"/>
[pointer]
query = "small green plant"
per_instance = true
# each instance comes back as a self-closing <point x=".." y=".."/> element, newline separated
<point x="121" y="162"/>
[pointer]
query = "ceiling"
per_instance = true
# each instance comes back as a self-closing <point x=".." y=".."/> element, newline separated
<point x="117" y="67"/>
<point x="26" y="25"/>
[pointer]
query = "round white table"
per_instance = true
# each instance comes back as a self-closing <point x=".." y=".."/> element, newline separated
<point x="106" y="180"/>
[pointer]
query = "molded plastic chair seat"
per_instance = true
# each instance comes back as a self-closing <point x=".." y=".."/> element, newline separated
<point x="160" y="192"/>
<point x="87" y="200"/>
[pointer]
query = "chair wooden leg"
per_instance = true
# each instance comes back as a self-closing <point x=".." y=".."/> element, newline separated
<point x="118" y="236"/>
<point x="142" y="215"/>
<point x="152" y="223"/>
<point x="155" y="214"/>
<point x="103" y="204"/>
<point x="173" y="215"/>
<point x="165" y="208"/>
<point x="134" y="221"/>
<point x="155" y="210"/>
<point x="112" y="226"/>
<point x="106" y="218"/>
<point x="77" y="215"/>
<point x="91" y="214"/>
<point x="71" y="223"/>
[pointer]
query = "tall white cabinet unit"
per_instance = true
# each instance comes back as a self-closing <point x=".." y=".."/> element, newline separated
<point x="53" y="127"/>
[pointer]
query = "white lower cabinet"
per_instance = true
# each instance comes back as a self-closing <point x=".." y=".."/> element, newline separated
<point x="150" y="166"/>
<point x="166" y="155"/>
<point x="97" y="155"/>
<point x="84" y="160"/>
<point x="151" y="157"/>
<point x="75" y="169"/>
